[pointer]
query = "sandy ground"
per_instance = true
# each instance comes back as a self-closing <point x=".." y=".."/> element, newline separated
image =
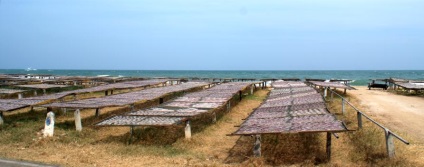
<point x="400" y="113"/>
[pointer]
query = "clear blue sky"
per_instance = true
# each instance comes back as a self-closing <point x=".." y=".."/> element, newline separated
<point x="212" y="35"/>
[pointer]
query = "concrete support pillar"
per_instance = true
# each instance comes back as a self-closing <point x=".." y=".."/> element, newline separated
<point x="78" y="125"/>
<point x="35" y="93"/>
<point x="325" y="92"/>
<point x="187" y="130"/>
<point x="328" y="146"/>
<point x="390" y="146"/>
<point x="257" y="146"/>
<point x="20" y="96"/>
<point x="49" y="125"/>
<point x="44" y="92"/>
<point x="64" y="110"/>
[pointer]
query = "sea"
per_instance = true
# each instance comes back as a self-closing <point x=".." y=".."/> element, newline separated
<point x="359" y="77"/>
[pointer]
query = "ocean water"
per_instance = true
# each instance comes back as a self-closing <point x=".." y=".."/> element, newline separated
<point x="360" y="77"/>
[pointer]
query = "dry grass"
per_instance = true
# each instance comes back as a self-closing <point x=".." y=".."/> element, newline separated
<point x="107" y="146"/>
<point x="209" y="145"/>
<point x="404" y="92"/>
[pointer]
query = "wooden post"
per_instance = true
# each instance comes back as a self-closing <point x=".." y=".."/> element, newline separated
<point x="187" y="130"/>
<point x="251" y="89"/>
<point x="389" y="143"/>
<point x="359" y="115"/>
<point x="131" y="134"/>
<point x="132" y="107"/>
<point x="328" y="146"/>
<point x="111" y="92"/>
<point x="106" y="92"/>
<point x="1" y="118"/>
<point x="78" y="125"/>
<point x="240" y="95"/>
<point x="35" y="92"/>
<point x="229" y="106"/>
<point x="160" y="100"/>
<point x="332" y="95"/>
<point x="344" y="91"/>
<point x="257" y="146"/>
<point x="44" y="91"/>
<point x="213" y="117"/>
<point x="97" y="112"/>
<point x="343" y="106"/>
<point x="20" y="96"/>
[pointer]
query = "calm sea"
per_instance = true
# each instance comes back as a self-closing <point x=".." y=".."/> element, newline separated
<point x="361" y="77"/>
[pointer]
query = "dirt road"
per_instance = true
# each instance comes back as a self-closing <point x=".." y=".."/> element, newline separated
<point x="403" y="114"/>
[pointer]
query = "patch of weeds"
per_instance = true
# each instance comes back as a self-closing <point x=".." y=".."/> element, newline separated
<point x="254" y="97"/>
<point x="136" y="150"/>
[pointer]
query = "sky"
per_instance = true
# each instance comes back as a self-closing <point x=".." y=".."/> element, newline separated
<point x="212" y="35"/>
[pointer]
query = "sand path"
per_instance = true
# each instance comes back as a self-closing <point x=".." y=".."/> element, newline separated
<point x="402" y="114"/>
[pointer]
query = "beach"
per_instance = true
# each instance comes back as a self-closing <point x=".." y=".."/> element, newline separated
<point x="399" y="112"/>
<point x="403" y="114"/>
